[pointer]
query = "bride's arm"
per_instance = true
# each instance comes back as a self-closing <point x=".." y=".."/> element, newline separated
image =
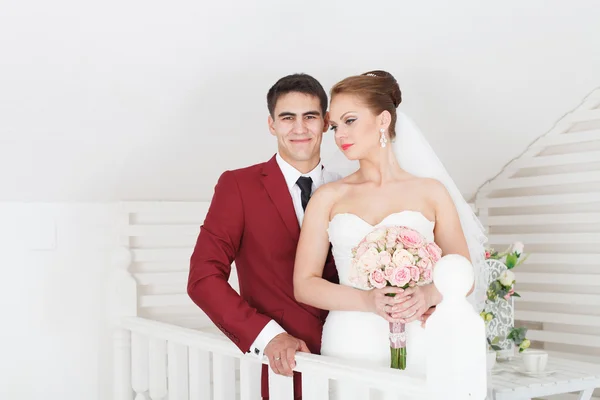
<point x="448" y="230"/>
<point x="449" y="236"/>
<point x="309" y="286"/>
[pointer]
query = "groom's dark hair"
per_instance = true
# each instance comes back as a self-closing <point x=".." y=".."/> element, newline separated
<point x="301" y="83"/>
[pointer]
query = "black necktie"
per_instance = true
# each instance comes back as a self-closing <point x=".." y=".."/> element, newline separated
<point x="305" y="184"/>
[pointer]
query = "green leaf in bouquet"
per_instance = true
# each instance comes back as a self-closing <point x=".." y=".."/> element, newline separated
<point x="511" y="260"/>
<point x="515" y="294"/>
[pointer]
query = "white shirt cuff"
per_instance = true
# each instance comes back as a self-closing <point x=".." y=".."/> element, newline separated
<point x="270" y="330"/>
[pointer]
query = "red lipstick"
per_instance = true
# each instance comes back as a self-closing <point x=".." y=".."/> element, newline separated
<point x="346" y="146"/>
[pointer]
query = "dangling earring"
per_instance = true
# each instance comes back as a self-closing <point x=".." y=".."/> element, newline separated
<point x="383" y="140"/>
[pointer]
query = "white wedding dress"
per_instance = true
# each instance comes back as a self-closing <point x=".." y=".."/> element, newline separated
<point x="363" y="336"/>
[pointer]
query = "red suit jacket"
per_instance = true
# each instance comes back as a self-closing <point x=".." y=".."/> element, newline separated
<point x="252" y="220"/>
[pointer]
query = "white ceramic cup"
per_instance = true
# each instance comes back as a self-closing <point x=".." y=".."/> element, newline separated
<point x="535" y="360"/>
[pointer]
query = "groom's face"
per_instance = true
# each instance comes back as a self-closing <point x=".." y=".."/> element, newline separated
<point x="298" y="124"/>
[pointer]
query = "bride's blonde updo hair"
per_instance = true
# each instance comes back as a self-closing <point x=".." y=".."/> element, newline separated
<point x="378" y="90"/>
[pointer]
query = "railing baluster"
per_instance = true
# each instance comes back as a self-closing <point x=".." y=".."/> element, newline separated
<point x="122" y="365"/>
<point x="315" y="386"/>
<point x="158" y="369"/>
<point x="199" y="361"/>
<point x="223" y="377"/>
<point x="139" y="365"/>
<point x="177" y="371"/>
<point x="250" y="372"/>
<point x="280" y="387"/>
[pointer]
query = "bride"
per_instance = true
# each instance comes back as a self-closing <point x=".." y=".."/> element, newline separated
<point x="400" y="182"/>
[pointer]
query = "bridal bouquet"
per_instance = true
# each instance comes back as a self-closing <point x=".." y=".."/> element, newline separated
<point x="394" y="256"/>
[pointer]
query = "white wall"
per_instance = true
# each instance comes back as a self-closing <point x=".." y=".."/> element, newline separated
<point x="54" y="263"/>
<point x="122" y="100"/>
<point x="152" y="100"/>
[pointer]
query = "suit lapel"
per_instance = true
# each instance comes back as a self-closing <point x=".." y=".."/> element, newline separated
<point x="274" y="183"/>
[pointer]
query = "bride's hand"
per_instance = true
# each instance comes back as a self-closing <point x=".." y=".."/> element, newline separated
<point x="379" y="303"/>
<point x="412" y="303"/>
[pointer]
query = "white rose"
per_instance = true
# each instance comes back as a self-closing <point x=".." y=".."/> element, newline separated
<point x="507" y="278"/>
<point x="376" y="235"/>
<point x="518" y="247"/>
<point x="402" y="258"/>
<point x="368" y="261"/>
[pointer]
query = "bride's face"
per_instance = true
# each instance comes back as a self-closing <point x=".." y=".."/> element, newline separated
<point x="356" y="127"/>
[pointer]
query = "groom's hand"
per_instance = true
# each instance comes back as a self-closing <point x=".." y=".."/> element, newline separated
<point x="281" y="352"/>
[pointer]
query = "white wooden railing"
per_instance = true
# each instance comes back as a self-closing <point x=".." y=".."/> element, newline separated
<point x="165" y="348"/>
<point x="156" y="360"/>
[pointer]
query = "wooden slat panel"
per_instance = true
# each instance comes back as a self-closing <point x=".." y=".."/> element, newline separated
<point x="168" y="278"/>
<point x="562" y="279"/>
<point x="161" y="278"/>
<point x="580" y="358"/>
<point x="165" y="207"/>
<point x="164" y="300"/>
<point x="544" y="200"/>
<point x="543" y="219"/>
<point x="584" y="115"/>
<point x="568" y="138"/>
<point x="546" y="180"/>
<point x="161" y="255"/>
<point x="557" y="160"/>
<point x="564" y="258"/>
<point x="574" y="339"/>
<point x="556" y="318"/>
<point x="162" y="230"/>
<point x="545" y="238"/>
<point x="559" y="298"/>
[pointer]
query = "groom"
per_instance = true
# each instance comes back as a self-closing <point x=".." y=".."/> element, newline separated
<point x="254" y="219"/>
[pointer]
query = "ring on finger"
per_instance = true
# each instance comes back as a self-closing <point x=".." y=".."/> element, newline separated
<point x="277" y="358"/>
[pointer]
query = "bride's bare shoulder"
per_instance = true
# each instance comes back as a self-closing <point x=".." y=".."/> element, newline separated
<point x="331" y="192"/>
<point x="434" y="189"/>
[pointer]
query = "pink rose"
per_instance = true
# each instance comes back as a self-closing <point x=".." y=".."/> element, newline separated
<point x="510" y="293"/>
<point x="385" y="259"/>
<point x="427" y="275"/>
<point x="435" y="253"/>
<point x="415" y="273"/>
<point x="487" y="255"/>
<point x="377" y="279"/>
<point x="388" y="272"/>
<point x="400" y="276"/>
<point x="422" y="252"/>
<point x="410" y="238"/>
<point x="402" y="257"/>
<point x="425" y="263"/>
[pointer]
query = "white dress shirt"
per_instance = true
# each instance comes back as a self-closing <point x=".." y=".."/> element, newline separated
<point x="319" y="177"/>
